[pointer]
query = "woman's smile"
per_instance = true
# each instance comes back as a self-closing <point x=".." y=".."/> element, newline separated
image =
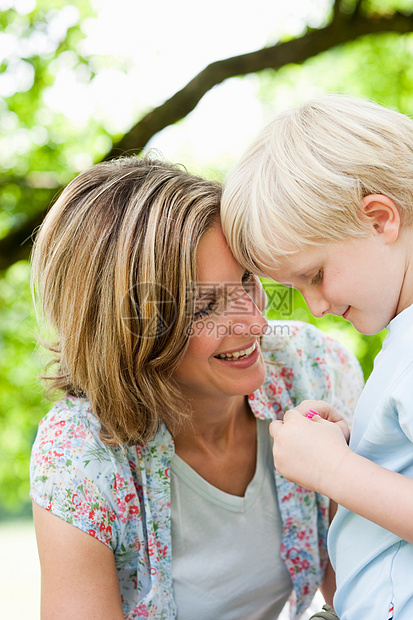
<point x="223" y="357"/>
<point x="243" y="358"/>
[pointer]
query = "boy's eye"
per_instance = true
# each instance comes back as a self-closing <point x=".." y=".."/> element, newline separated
<point x="249" y="282"/>
<point x="317" y="278"/>
<point x="247" y="277"/>
<point x="206" y="311"/>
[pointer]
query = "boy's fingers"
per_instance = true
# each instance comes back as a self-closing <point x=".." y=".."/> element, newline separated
<point x="323" y="409"/>
<point x="274" y="427"/>
<point x="289" y="415"/>
<point x="319" y="420"/>
<point x="316" y="405"/>
<point x="293" y="413"/>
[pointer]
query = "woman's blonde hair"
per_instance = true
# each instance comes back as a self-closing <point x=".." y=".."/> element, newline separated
<point x="114" y="265"/>
<point x="303" y="179"/>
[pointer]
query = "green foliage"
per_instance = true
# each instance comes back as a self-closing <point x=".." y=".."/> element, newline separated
<point x="39" y="148"/>
<point x="40" y="151"/>
<point x="378" y="67"/>
<point x="386" y="6"/>
<point x="21" y="402"/>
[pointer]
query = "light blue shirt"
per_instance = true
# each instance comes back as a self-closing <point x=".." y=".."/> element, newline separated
<point x="374" y="567"/>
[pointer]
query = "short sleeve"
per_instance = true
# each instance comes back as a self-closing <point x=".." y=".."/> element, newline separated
<point x="400" y="399"/>
<point x="79" y="479"/>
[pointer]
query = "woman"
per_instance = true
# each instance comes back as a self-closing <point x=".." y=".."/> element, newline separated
<point x="153" y="488"/>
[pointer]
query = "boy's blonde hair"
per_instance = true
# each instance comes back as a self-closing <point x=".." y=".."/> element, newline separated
<point x="114" y="265"/>
<point x="303" y="179"/>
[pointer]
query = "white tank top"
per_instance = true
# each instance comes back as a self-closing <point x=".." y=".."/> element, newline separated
<point x="226" y="561"/>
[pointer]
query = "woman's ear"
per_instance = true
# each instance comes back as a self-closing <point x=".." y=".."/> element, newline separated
<point x="380" y="213"/>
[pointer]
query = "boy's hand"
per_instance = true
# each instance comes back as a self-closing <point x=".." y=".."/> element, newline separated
<point x="326" y="411"/>
<point x="308" y="452"/>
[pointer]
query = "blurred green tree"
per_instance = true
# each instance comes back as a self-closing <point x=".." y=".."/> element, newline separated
<point x="363" y="47"/>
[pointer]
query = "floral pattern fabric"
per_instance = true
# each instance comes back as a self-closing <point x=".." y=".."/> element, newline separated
<point x="121" y="496"/>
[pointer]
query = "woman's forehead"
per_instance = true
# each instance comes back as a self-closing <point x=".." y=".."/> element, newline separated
<point x="215" y="261"/>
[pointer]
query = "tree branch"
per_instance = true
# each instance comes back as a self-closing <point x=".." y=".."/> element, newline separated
<point x="341" y="30"/>
<point x="357" y="8"/>
<point x="336" y="9"/>
<point x="295" y="51"/>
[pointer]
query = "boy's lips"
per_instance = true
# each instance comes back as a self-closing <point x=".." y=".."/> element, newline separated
<point x="345" y="314"/>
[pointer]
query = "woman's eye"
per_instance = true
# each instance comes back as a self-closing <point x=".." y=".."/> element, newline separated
<point x="200" y="314"/>
<point x="317" y="278"/>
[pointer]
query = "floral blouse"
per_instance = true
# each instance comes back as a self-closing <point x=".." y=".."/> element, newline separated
<point x="121" y="495"/>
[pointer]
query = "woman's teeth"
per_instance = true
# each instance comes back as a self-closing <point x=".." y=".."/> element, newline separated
<point x="237" y="354"/>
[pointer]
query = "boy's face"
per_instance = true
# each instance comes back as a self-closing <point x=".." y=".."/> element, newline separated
<point x="360" y="279"/>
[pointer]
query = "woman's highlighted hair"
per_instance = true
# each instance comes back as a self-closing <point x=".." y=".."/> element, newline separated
<point x="113" y="267"/>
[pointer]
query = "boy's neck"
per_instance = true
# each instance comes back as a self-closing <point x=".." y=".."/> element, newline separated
<point x="406" y="292"/>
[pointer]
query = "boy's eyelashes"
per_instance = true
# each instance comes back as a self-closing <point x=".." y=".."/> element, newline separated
<point x="248" y="276"/>
<point x="317" y="278"/>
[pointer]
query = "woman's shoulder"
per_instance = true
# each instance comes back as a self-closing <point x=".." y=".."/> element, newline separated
<point x="70" y="417"/>
<point x="69" y="439"/>
<point x="71" y="430"/>
<point x="74" y="474"/>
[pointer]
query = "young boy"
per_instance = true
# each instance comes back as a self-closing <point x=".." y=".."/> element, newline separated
<point x="323" y="202"/>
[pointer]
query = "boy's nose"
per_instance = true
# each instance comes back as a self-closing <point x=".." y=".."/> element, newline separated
<point x="317" y="305"/>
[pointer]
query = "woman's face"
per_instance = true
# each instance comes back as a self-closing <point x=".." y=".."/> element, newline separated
<point x="223" y="357"/>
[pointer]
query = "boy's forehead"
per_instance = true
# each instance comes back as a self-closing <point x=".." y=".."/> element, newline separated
<point x="297" y="263"/>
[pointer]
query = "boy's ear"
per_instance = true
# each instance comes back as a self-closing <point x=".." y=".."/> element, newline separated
<point x="380" y="213"/>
